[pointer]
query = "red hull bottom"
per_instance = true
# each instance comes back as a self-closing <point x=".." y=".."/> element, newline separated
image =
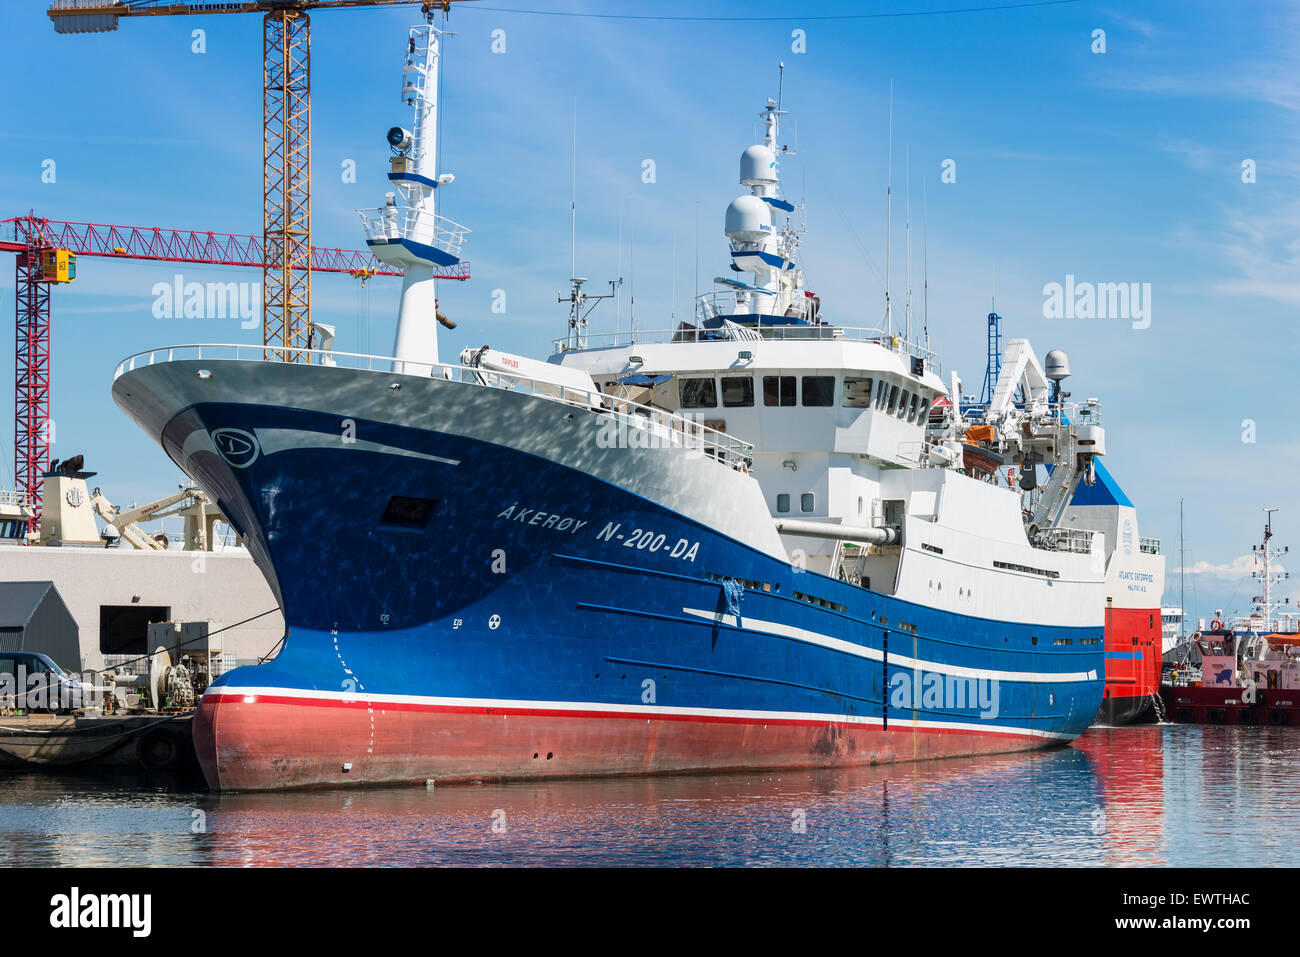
<point x="271" y="745"/>
<point x="1202" y="705"/>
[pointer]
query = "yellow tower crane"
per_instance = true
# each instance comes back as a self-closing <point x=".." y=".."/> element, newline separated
<point x="286" y="139"/>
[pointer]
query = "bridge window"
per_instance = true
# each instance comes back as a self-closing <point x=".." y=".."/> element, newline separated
<point x="778" y="390"/>
<point x="857" y="392"/>
<point x="818" y="390"/>
<point x="882" y="393"/>
<point x="737" y="391"/>
<point x="699" y="393"/>
<point x="893" y="400"/>
<point x="916" y="401"/>
<point x="902" y="404"/>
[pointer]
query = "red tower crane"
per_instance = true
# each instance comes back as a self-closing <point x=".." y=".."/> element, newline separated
<point x="43" y="245"/>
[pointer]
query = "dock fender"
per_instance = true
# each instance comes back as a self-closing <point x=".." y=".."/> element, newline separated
<point x="159" y="749"/>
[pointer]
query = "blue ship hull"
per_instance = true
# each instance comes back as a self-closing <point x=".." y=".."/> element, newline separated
<point x="459" y="609"/>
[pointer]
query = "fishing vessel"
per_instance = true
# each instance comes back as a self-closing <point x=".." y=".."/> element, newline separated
<point x="1244" y="669"/>
<point x="760" y="540"/>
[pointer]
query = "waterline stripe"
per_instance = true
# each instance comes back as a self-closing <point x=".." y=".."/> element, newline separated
<point x="254" y="694"/>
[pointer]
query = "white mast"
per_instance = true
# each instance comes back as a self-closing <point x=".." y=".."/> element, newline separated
<point x="407" y="232"/>
<point x="417" y="327"/>
<point x="1265" y="553"/>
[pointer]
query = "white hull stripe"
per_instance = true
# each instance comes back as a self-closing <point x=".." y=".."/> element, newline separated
<point x="874" y="654"/>
<point x="253" y="693"/>
<point x="282" y="440"/>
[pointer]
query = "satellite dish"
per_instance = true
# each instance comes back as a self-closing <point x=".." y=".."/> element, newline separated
<point x="160" y="662"/>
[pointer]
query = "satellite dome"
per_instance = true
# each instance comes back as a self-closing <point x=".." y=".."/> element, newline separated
<point x="757" y="166"/>
<point x="1057" y="366"/>
<point x="749" y="219"/>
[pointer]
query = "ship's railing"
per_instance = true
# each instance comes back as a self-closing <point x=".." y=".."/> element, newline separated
<point x="1149" y="545"/>
<point x="1184" y="676"/>
<point x="924" y="455"/>
<point x="657" y="428"/>
<point x="1084" y="413"/>
<point x="1077" y="541"/>
<point x="894" y="342"/>
<point x="915" y="454"/>
<point x="415" y="224"/>
<point x="1280" y="622"/>
<point x="14" y="497"/>
<point x="726" y="303"/>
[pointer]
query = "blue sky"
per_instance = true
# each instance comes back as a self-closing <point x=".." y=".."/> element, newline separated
<point x="1122" y="166"/>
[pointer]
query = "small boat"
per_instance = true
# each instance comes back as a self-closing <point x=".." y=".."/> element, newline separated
<point x="1239" y="670"/>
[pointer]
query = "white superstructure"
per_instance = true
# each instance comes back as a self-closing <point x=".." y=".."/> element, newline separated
<point x="870" y="474"/>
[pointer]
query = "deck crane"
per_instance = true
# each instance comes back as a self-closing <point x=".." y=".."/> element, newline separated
<point x="191" y="502"/>
<point x="286" y="140"/>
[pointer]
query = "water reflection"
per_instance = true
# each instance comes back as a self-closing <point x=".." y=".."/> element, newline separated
<point x="1165" y="795"/>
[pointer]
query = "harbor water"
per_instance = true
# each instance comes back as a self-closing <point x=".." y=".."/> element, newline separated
<point x="1164" y="795"/>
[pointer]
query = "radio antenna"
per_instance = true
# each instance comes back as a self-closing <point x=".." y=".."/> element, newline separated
<point x="889" y="199"/>
<point x="925" y="267"/>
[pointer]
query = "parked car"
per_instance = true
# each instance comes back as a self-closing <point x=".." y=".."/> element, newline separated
<point x="34" y="682"/>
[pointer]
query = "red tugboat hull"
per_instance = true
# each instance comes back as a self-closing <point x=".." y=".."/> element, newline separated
<point x="1200" y="705"/>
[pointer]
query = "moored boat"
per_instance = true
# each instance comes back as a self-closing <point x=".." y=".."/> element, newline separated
<point x="1242" y="670"/>
<point x="760" y="540"/>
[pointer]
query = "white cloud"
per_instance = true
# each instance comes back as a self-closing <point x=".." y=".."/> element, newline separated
<point x="1239" y="568"/>
<point x="1265" y="250"/>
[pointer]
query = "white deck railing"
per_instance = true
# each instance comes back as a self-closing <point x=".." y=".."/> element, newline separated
<point x="408" y="222"/>
<point x="657" y="428"/>
<point x="821" y="332"/>
<point x="1060" y="539"/>
<point x="14" y="497"/>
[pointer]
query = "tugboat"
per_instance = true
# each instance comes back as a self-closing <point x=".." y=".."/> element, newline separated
<point x="1249" y="667"/>
<point x="762" y="540"/>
